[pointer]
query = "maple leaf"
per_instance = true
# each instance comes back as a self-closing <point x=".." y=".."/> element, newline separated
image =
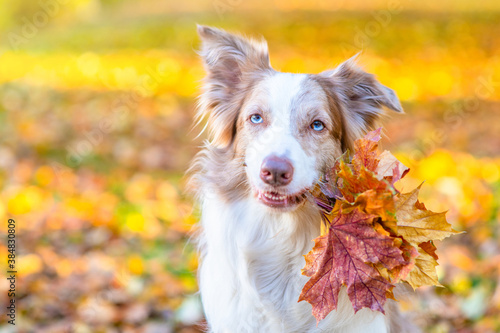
<point x="424" y="272"/>
<point x="377" y="237"/>
<point x="384" y="164"/>
<point x="390" y="168"/>
<point x="368" y="170"/>
<point x="366" y="154"/>
<point x="401" y="272"/>
<point x="429" y="248"/>
<point x="380" y="203"/>
<point x="346" y="257"/>
<point x="368" y="180"/>
<point x="418" y="225"/>
<point x="352" y="182"/>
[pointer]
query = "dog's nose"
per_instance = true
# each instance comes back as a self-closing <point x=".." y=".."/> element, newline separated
<point x="276" y="171"/>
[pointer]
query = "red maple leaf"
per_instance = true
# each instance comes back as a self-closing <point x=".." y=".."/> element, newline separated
<point x="347" y="256"/>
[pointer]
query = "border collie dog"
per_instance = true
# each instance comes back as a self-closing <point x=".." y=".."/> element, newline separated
<point x="272" y="136"/>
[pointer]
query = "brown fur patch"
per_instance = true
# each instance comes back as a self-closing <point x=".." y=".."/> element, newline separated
<point x="359" y="97"/>
<point x="231" y="63"/>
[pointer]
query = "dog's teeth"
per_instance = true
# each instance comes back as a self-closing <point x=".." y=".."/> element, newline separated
<point x="272" y="196"/>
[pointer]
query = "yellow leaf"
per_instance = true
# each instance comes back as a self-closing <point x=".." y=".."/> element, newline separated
<point x="424" y="272"/>
<point x="418" y="225"/>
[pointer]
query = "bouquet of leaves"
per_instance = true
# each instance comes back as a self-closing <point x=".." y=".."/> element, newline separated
<point x="376" y="236"/>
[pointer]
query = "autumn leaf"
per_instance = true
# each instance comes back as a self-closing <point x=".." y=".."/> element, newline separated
<point x="384" y="164"/>
<point x="368" y="180"/>
<point x="418" y="225"/>
<point x="345" y="257"/>
<point x="366" y="151"/>
<point x="351" y="182"/>
<point x="380" y="203"/>
<point x="429" y="248"/>
<point x="424" y="273"/>
<point x="374" y="236"/>
<point x="401" y="272"/>
<point x="390" y="168"/>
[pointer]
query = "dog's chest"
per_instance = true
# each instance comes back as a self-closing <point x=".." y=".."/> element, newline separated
<point x="273" y="264"/>
<point x="261" y="256"/>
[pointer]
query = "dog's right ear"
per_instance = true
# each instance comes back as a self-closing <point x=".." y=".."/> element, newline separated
<point x="228" y="59"/>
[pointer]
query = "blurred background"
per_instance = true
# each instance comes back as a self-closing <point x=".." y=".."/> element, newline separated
<point x="96" y="104"/>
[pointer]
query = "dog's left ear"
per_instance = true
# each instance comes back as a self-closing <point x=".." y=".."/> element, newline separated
<point x="361" y="97"/>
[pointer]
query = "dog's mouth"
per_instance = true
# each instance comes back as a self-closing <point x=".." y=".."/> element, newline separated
<point x="280" y="200"/>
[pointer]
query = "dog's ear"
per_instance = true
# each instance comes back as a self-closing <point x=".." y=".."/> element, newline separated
<point x="361" y="97"/>
<point x="228" y="59"/>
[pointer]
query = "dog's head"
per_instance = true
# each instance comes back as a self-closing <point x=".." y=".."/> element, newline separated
<point x="281" y="130"/>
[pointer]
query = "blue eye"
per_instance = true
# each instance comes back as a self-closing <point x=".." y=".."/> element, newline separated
<point x="317" y="126"/>
<point x="256" y="118"/>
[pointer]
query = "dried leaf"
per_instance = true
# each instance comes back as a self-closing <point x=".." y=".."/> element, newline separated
<point x="346" y="257"/>
<point x="390" y="168"/>
<point x="424" y="273"/>
<point x="366" y="151"/>
<point x="351" y="182"/>
<point x="380" y="203"/>
<point x="401" y="272"/>
<point x="418" y="225"/>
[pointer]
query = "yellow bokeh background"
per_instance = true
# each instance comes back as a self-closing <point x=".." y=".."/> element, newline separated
<point x="97" y="99"/>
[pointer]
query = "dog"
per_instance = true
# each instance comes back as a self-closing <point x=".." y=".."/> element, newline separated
<point x="272" y="135"/>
